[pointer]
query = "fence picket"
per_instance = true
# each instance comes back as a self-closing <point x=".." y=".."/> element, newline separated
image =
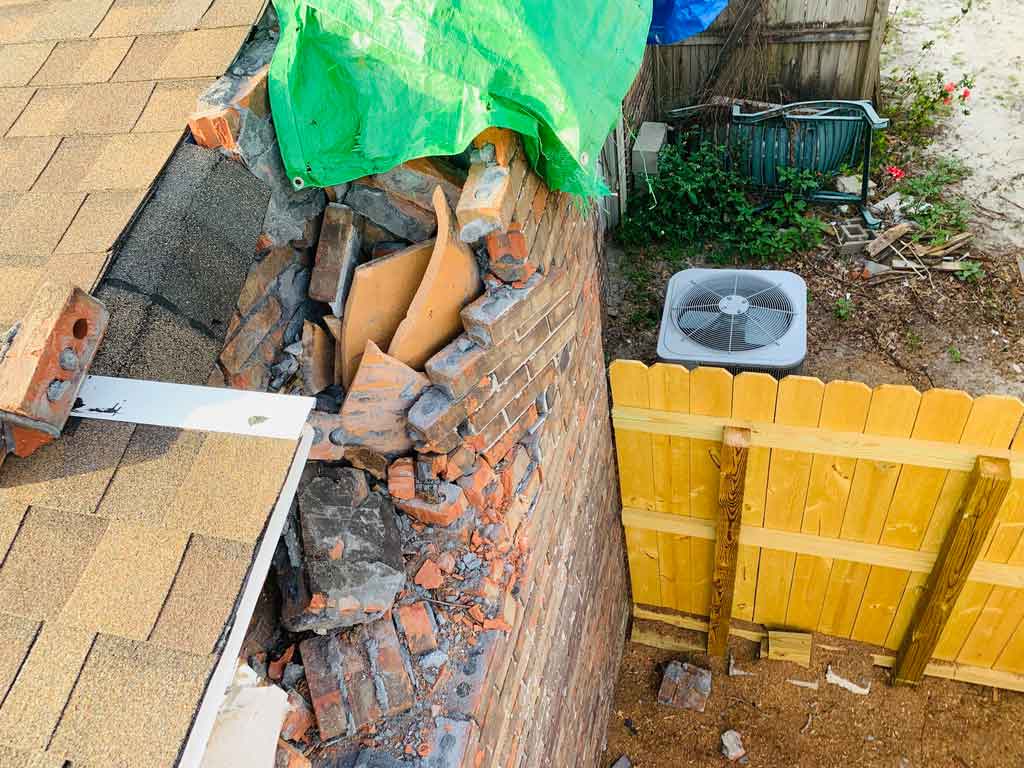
<point x="844" y="409"/>
<point x="754" y="396"/>
<point x="629" y="383"/>
<point x="799" y="404"/>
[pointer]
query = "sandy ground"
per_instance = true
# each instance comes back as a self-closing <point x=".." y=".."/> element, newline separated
<point x="988" y="43"/>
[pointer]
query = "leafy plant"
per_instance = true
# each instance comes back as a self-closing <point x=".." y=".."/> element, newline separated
<point x="914" y="340"/>
<point x="939" y="214"/>
<point x="843" y="308"/>
<point x="954" y="354"/>
<point x="699" y="199"/>
<point x="970" y="271"/>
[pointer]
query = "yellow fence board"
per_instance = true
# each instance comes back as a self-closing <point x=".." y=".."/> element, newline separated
<point x="849" y="493"/>
<point x="844" y="408"/>
<point x="799" y="405"/>
<point x="754" y="396"/>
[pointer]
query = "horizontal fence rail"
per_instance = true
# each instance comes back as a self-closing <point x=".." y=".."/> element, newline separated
<point x="888" y="516"/>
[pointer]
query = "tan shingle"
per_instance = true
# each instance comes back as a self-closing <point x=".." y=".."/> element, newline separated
<point x="94" y="163"/>
<point x="18" y="63"/>
<point x="50" y="20"/>
<point x="232" y="505"/>
<point x="230" y="13"/>
<point x="22" y="160"/>
<point x="45" y="562"/>
<point x="16" y="638"/>
<point x="70" y="473"/>
<point x="12" y="103"/>
<point x="100" y="220"/>
<point x="12" y="512"/>
<point x="155" y="690"/>
<point x="77" y="109"/>
<point x="154" y="466"/>
<point x="81" y="269"/>
<point x="17" y="286"/>
<point x="31" y="758"/>
<point x="203" y="594"/>
<point x="171" y="104"/>
<point x="83" y="61"/>
<point x="34" y="222"/>
<point x="32" y="708"/>
<point x="127" y="580"/>
<point x="183" y="55"/>
<point x="150" y="17"/>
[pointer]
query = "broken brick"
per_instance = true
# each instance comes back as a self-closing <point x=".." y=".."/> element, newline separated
<point x="429" y="575"/>
<point x="460" y="462"/>
<point x="402" y="479"/>
<point x="289" y="757"/>
<point x="275" y="670"/>
<point x="504" y="141"/>
<point x="373" y="415"/>
<point x="451" y="281"/>
<point x="418" y="626"/>
<point x="484" y="202"/>
<point x="299" y="720"/>
<point x="416" y="180"/>
<point x="458" y="368"/>
<point x="444" y="512"/>
<point x="435" y="415"/>
<point x="475" y="486"/>
<point x="407" y="220"/>
<point x="253" y="330"/>
<point x="336" y="257"/>
<point x="685" y="686"/>
<point x="217" y="121"/>
<point x="508" y="256"/>
<point x="503" y="311"/>
<point x="317" y="360"/>
<point x="496" y="452"/>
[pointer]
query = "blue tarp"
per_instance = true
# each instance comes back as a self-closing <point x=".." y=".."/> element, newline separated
<point x="676" y="20"/>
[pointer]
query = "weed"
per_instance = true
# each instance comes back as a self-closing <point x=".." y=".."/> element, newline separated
<point x="914" y="340"/>
<point x="843" y="308"/>
<point x="699" y="199"/>
<point x="939" y="214"/>
<point x="970" y="271"/>
<point x="954" y="354"/>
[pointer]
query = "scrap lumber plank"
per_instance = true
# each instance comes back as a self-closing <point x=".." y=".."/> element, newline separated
<point x="664" y="642"/>
<point x="887" y="238"/>
<point x="794" y="647"/>
<point x="735" y="449"/>
<point x="975" y="516"/>
<point x="755" y="634"/>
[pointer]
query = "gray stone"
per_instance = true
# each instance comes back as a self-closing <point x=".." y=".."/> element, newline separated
<point x="352" y="553"/>
<point x="293" y="673"/>
<point x="373" y="758"/>
<point x="375" y="205"/>
<point x="851" y="185"/>
<point x="622" y="762"/>
<point x="685" y="686"/>
<point x="732" y="746"/>
<point x="434" y="659"/>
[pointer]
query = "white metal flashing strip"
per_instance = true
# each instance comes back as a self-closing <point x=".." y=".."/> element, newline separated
<point x="183" y="406"/>
<point x="195" y="746"/>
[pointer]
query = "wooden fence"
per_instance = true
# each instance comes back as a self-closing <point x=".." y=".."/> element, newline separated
<point x="889" y="516"/>
<point x="815" y="49"/>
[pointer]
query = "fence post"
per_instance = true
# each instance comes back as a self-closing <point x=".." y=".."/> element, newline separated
<point x="735" y="447"/>
<point x="869" y="78"/>
<point x="975" y="516"/>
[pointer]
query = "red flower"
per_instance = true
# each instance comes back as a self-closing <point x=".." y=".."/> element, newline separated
<point x="895" y="172"/>
<point x="947" y="100"/>
<point x="949" y="87"/>
<point x="966" y="94"/>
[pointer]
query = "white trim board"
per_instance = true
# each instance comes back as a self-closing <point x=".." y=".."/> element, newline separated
<point x="202" y="725"/>
<point x="184" y="406"/>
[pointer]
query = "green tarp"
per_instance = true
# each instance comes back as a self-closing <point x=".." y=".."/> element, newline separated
<point x="359" y="86"/>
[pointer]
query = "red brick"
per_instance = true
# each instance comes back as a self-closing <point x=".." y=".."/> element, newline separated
<point x="551" y="348"/>
<point x="496" y="452"/>
<point x="217" y="120"/>
<point x="336" y="256"/>
<point x="429" y="575"/>
<point x="321" y="657"/>
<point x="381" y="643"/>
<point x="417" y="623"/>
<point x="444" y="513"/>
<point x="253" y="330"/>
<point x="435" y="415"/>
<point x="289" y="757"/>
<point x="529" y="394"/>
<point x="506" y="392"/>
<point x="458" y="367"/>
<point x="507" y="254"/>
<point x="475" y="485"/>
<point x="299" y="720"/>
<point x="402" y="479"/>
<point x="460" y="462"/>
<point x="502" y="312"/>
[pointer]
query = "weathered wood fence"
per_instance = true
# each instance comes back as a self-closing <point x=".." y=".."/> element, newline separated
<point x="889" y="516"/>
<point x="816" y="49"/>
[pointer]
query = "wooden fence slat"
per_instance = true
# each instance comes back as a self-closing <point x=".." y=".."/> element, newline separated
<point x="1010" y="525"/>
<point x="710" y="395"/>
<point x="669" y="387"/>
<point x="986" y="489"/>
<point x="799" y="405"/>
<point x="869" y="68"/>
<point x="735" y="446"/>
<point x="941" y="417"/>
<point x="845" y="409"/>
<point x="891" y="414"/>
<point x="754" y="396"/>
<point x="636" y="477"/>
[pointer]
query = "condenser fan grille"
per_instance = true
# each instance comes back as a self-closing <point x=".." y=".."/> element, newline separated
<point x="737" y="312"/>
